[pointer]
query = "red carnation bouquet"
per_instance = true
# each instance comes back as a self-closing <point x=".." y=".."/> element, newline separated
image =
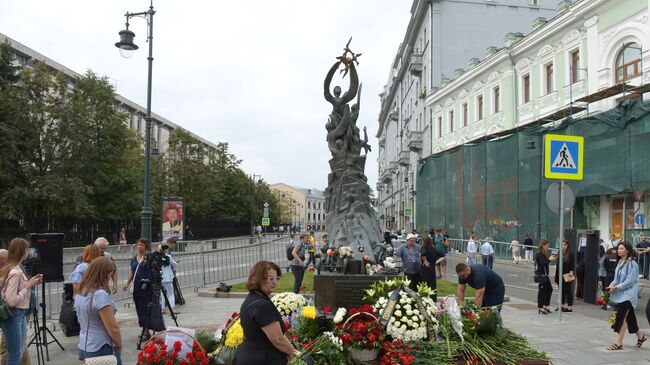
<point x="156" y="352"/>
<point x="361" y="330"/>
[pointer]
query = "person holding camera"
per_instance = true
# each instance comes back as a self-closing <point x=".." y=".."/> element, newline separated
<point x="99" y="333"/>
<point x="16" y="292"/>
<point x="168" y="279"/>
<point x="146" y="306"/>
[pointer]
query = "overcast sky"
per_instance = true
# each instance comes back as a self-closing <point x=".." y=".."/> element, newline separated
<point x="249" y="73"/>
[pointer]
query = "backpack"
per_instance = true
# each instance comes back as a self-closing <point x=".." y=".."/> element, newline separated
<point x="290" y="250"/>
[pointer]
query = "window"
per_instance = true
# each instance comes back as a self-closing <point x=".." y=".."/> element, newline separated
<point x="497" y="94"/>
<point x="451" y="121"/>
<point x="439" y="127"/>
<point x="628" y="62"/>
<point x="534" y="2"/>
<point x="465" y="115"/>
<point x="308" y="216"/>
<point x="548" y="78"/>
<point x="479" y="106"/>
<point x="575" y="66"/>
<point x="308" y="205"/>
<point x="318" y="205"/>
<point x="525" y="82"/>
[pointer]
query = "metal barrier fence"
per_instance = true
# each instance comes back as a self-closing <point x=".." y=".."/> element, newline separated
<point x="199" y="263"/>
<point x="515" y="275"/>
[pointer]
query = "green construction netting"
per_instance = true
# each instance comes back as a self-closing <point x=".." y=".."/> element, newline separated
<point x="493" y="187"/>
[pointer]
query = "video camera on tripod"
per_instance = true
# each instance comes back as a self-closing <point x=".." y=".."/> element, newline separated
<point x="155" y="262"/>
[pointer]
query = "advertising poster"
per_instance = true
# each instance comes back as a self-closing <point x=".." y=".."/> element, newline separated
<point x="172" y="218"/>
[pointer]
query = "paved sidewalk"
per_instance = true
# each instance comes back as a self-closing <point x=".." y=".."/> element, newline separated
<point x="581" y="337"/>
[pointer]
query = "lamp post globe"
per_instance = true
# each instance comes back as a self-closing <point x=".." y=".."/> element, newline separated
<point x="126" y="44"/>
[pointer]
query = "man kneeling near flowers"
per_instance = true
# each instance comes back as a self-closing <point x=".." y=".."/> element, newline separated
<point x="489" y="286"/>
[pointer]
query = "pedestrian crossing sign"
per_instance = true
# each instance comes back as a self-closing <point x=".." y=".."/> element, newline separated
<point x="266" y="222"/>
<point x="563" y="157"/>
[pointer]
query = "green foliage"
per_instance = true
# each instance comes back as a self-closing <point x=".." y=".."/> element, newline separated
<point x="67" y="155"/>
<point x="306" y="329"/>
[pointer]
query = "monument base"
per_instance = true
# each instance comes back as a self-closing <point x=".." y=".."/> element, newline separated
<point x="342" y="291"/>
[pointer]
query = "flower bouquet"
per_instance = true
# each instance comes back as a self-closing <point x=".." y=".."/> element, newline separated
<point x="231" y="337"/>
<point x="603" y="300"/>
<point x="345" y="251"/>
<point x="156" y="352"/>
<point x="477" y="320"/>
<point x="305" y="327"/>
<point x="326" y="349"/>
<point x="288" y="302"/>
<point x="361" y="333"/>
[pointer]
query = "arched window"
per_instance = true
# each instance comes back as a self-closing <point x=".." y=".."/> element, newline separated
<point x="628" y="62"/>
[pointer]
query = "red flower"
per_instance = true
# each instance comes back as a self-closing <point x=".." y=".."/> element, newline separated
<point x="157" y="358"/>
<point x="192" y="361"/>
<point x="182" y="362"/>
<point x="327" y="310"/>
<point x="169" y="362"/>
<point x="175" y="355"/>
<point x="178" y="346"/>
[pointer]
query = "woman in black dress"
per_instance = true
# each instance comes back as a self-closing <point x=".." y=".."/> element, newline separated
<point x="568" y="267"/>
<point x="264" y="340"/>
<point x="542" y="278"/>
<point x="146" y="306"/>
<point x="429" y="255"/>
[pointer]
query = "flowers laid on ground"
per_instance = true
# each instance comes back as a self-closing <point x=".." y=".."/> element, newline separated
<point x="395" y="352"/>
<point x="288" y="302"/>
<point x="157" y="352"/>
<point x="397" y="326"/>
<point x="326" y="349"/>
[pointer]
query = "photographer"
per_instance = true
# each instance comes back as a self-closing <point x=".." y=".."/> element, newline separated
<point x="168" y="279"/>
<point x="147" y="307"/>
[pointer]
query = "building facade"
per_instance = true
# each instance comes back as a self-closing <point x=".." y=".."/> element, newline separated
<point x="300" y="208"/>
<point x="161" y="127"/>
<point x="441" y="36"/>
<point x="585" y="60"/>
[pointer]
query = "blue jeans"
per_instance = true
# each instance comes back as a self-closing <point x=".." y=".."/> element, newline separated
<point x="104" y="350"/>
<point x="298" y="274"/>
<point x="15" y="332"/>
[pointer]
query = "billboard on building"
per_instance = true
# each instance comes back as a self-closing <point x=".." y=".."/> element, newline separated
<point x="172" y="218"/>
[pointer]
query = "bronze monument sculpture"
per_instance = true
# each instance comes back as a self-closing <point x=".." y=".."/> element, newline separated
<point x="351" y="220"/>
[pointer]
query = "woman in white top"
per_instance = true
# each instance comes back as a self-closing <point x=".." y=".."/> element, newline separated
<point x="516" y="256"/>
<point x="16" y="290"/>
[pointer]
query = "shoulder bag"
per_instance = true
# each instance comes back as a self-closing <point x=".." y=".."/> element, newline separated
<point x="540" y="278"/>
<point x="97" y="360"/>
<point x="6" y="312"/>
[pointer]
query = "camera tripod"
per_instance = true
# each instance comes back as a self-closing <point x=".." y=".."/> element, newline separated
<point x="158" y="290"/>
<point x="40" y="332"/>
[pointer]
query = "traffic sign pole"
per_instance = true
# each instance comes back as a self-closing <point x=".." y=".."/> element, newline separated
<point x="561" y="255"/>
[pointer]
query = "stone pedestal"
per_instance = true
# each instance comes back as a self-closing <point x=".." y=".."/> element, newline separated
<point x="336" y="290"/>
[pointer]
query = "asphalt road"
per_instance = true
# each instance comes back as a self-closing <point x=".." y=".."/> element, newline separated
<point x="199" y="264"/>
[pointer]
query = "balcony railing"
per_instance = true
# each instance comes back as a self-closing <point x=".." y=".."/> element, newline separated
<point x="415" y="141"/>
<point x="404" y="158"/>
<point x="415" y="64"/>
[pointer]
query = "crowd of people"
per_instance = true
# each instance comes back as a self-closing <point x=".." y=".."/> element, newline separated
<point x="93" y="279"/>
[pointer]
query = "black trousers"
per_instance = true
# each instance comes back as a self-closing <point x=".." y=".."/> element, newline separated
<point x="544" y="293"/>
<point x="625" y="312"/>
<point x="567" y="293"/>
<point x="415" y="280"/>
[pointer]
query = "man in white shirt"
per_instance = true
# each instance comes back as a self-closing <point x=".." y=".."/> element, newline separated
<point x="102" y="244"/>
<point x="487" y="253"/>
<point x="471" y="250"/>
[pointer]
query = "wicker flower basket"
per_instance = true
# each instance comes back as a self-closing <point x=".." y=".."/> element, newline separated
<point x="363" y="355"/>
<point x="162" y="333"/>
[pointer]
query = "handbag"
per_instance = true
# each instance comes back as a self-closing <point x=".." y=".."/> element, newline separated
<point x="6" y="311"/>
<point x="540" y="278"/>
<point x="568" y="277"/>
<point x="97" y="360"/>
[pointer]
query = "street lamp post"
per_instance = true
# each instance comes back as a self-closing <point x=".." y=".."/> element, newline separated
<point x="127" y="47"/>
<point x="255" y="177"/>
